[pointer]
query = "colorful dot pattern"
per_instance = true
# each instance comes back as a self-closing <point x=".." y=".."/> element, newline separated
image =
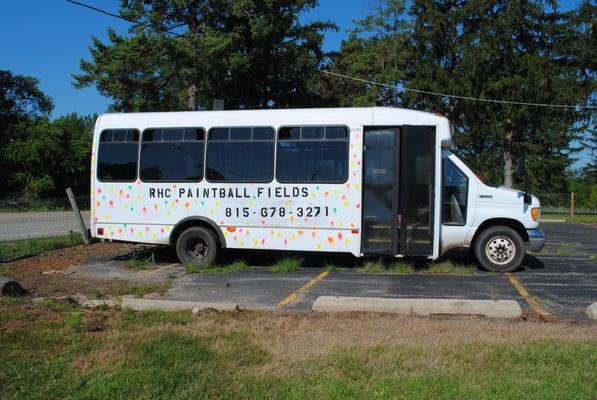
<point x="125" y="211"/>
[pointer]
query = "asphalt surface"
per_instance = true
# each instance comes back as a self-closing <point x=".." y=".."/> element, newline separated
<point x="30" y="225"/>
<point x="561" y="281"/>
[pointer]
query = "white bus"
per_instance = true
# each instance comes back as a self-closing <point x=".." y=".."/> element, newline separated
<point x="365" y="181"/>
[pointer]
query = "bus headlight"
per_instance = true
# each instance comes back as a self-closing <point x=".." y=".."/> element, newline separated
<point x="536" y="213"/>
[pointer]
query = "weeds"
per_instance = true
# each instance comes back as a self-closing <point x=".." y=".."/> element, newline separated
<point x="332" y="268"/>
<point x="171" y="276"/>
<point x="495" y="294"/>
<point x="448" y="267"/>
<point x="76" y="322"/>
<point x="373" y="267"/>
<point x="191" y="268"/>
<point x="235" y="266"/>
<point x="286" y="264"/>
<point x="121" y="288"/>
<point x="401" y="267"/>
<point x="140" y="263"/>
<point x="567" y="249"/>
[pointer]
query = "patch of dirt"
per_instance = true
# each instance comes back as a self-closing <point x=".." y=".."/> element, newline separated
<point x="45" y="275"/>
<point x="63" y="258"/>
<point x="531" y="315"/>
<point x="14" y="325"/>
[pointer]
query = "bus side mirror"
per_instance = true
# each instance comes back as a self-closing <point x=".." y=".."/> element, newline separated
<point x="528" y="199"/>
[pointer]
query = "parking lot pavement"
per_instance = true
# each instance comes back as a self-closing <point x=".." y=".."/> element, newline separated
<point x="254" y="288"/>
<point x="561" y="282"/>
<point x="563" y="277"/>
<point x="410" y="286"/>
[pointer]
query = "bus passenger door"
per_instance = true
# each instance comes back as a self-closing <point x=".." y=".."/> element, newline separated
<point x="380" y="199"/>
<point x="417" y="190"/>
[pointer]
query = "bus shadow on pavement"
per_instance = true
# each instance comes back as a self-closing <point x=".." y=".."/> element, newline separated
<point x="530" y="262"/>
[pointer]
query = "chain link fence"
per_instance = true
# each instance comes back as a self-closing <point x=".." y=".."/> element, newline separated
<point x="31" y="226"/>
<point x="561" y="203"/>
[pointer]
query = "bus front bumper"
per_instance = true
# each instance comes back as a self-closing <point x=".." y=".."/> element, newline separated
<point x="536" y="239"/>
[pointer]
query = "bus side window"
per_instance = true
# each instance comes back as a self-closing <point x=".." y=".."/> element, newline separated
<point x="172" y="155"/>
<point x="240" y="154"/>
<point x="312" y="154"/>
<point x="455" y="194"/>
<point x="117" y="155"/>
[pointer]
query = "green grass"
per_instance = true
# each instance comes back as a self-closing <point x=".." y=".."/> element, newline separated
<point x="449" y="267"/>
<point x="235" y="266"/>
<point x="157" y="355"/>
<point x="32" y="247"/>
<point x="59" y="305"/>
<point x="577" y="218"/>
<point x="286" y="264"/>
<point x="5" y="268"/>
<point x="131" y="319"/>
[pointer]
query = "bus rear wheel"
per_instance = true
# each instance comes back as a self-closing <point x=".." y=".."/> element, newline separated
<point x="499" y="249"/>
<point x="197" y="246"/>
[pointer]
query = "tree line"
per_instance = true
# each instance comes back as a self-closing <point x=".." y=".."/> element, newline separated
<point x="185" y="54"/>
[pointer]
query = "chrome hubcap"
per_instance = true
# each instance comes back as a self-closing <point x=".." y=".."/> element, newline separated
<point x="500" y="250"/>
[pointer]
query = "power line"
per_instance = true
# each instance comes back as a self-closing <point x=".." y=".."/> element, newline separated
<point x="132" y="21"/>
<point x="522" y="103"/>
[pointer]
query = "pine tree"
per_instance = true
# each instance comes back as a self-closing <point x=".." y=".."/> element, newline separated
<point x="514" y="50"/>
<point x="375" y="50"/>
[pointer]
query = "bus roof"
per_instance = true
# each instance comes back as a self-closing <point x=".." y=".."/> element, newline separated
<point x="354" y="118"/>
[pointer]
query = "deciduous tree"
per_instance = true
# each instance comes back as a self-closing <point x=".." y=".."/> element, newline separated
<point x="184" y="53"/>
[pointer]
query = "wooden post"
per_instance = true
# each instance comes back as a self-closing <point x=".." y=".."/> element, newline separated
<point x="73" y="203"/>
<point x="572" y="204"/>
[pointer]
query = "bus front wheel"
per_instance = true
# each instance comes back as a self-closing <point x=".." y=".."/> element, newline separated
<point x="499" y="249"/>
<point x="197" y="246"/>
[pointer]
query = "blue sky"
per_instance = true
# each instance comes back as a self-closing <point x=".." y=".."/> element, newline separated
<point x="47" y="39"/>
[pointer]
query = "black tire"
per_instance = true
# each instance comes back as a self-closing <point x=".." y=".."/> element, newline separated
<point x="499" y="249"/>
<point x="197" y="246"/>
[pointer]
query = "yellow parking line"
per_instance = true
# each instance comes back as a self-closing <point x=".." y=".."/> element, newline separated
<point x="153" y="271"/>
<point x="533" y="302"/>
<point x="295" y="296"/>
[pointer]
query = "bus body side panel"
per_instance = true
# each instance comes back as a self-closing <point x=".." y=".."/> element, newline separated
<point x="309" y="217"/>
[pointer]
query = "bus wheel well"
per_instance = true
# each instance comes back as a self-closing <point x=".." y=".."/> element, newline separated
<point x="511" y="223"/>
<point x="197" y="221"/>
